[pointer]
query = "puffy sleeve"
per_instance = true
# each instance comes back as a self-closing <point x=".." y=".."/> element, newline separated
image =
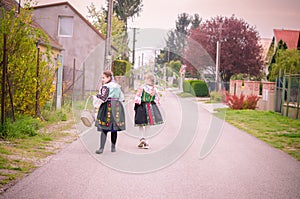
<point x="138" y="96"/>
<point x="103" y="93"/>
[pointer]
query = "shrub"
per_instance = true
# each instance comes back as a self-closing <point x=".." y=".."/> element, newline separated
<point x="216" y="96"/>
<point x="237" y="103"/>
<point x="195" y="87"/>
<point x="23" y="127"/>
<point x="121" y="67"/>
<point x="186" y="87"/>
<point x="251" y="102"/>
<point x="199" y="89"/>
<point x="55" y="116"/>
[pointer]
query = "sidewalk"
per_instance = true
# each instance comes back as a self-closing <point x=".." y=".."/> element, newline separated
<point x="239" y="166"/>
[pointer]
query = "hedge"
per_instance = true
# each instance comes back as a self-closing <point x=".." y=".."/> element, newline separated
<point x="200" y="89"/>
<point x="197" y="88"/>
<point x="121" y="67"/>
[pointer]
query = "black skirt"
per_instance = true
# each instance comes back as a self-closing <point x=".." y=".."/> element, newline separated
<point x="111" y="116"/>
<point x="147" y="113"/>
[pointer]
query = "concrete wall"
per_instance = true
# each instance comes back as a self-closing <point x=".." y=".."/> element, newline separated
<point x="267" y="99"/>
<point x="251" y="88"/>
<point x="267" y="102"/>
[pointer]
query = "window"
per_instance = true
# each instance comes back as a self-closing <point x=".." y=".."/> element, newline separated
<point x="65" y="26"/>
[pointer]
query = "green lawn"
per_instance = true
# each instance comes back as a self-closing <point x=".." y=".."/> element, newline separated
<point x="276" y="130"/>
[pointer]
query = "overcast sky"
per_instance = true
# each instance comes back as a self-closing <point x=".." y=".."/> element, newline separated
<point x="265" y="15"/>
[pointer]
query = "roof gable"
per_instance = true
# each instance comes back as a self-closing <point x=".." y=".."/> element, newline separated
<point x="80" y="15"/>
<point x="290" y="37"/>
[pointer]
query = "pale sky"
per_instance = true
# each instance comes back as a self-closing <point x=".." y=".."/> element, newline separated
<point x="265" y="15"/>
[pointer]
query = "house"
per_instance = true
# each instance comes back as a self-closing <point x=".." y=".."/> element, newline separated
<point x="290" y="37"/>
<point x="265" y="44"/>
<point x="83" y="44"/>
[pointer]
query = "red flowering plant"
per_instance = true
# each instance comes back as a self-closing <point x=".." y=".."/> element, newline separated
<point x="239" y="102"/>
<point x="251" y="102"/>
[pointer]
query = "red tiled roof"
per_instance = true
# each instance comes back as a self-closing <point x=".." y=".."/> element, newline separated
<point x="290" y="37"/>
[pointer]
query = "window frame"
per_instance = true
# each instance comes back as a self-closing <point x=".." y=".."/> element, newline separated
<point x="60" y="17"/>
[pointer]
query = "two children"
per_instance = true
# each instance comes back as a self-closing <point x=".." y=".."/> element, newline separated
<point x="111" y="115"/>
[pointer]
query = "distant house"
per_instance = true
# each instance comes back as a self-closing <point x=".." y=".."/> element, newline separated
<point x="265" y="44"/>
<point x="83" y="44"/>
<point x="290" y="37"/>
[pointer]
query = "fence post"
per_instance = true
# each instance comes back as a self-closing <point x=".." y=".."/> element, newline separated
<point x="59" y="85"/>
<point x="3" y="80"/>
<point x="288" y="96"/>
<point x="297" y="115"/>
<point x="83" y="82"/>
<point x="282" y="96"/>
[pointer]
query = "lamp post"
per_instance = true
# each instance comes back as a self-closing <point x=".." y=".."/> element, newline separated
<point x="218" y="64"/>
<point x="218" y="56"/>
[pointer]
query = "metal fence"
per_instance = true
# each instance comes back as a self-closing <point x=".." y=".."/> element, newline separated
<point x="288" y="95"/>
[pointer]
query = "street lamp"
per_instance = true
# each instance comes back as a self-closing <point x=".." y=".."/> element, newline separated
<point x="218" y="55"/>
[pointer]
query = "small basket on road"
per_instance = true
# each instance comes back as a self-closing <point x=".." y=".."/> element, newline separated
<point x="87" y="117"/>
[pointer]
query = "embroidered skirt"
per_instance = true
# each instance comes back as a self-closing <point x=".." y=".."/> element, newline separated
<point x="111" y="116"/>
<point x="147" y="114"/>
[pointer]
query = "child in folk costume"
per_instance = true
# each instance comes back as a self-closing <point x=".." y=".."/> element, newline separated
<point x="111" y="115"/>
<point x="146" y="110"/>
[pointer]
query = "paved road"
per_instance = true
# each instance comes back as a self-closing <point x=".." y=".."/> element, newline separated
<point x="239" y="166"/>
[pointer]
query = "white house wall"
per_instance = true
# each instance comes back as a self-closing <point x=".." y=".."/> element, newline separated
<point x="84" y="45"/>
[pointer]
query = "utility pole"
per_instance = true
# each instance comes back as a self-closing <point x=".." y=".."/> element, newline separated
<point x="217" y="64"/>
<point x="108" y="54"/>
<point x="133" y="46"/>
<point x="218" y="55"/>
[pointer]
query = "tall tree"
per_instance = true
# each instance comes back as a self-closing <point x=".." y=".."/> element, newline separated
<point x="126" y="9"/>
<point x="98" y="19"/>
<point x="195" y="21"/>
<point x="176" y="40"/>
<point x="287" y="61"/>
<point x="240" y="50"/>
<point x="281" y="46"/>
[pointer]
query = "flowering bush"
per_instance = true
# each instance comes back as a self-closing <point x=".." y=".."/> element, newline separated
<point x="237" y="103"/>
<point x="233" y="101"/>
<point x="251" y="102"/>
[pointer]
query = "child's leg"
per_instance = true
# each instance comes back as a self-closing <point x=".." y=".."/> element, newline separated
<point x="102" y="141"/>
<point x="114" y="136"/>
<point x="142" y="138"/>
<point x="146" y="129"/>
<point x="142" y="132"/>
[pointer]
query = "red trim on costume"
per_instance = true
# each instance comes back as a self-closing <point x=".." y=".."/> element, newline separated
<point x="150" y="114"/>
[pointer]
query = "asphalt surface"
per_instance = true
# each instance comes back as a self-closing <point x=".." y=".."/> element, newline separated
<point x="192" y="155"/>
